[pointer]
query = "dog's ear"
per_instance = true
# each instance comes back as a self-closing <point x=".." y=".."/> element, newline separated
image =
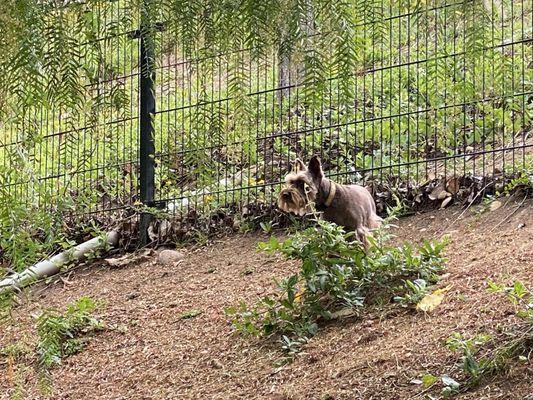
<point x="315" y="167"/>
<point x="298" y="166"/>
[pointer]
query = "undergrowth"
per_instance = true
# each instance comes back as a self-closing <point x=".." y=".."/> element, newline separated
<point x="61" y="335"/>
<point x="483" y="355"/>
<point x="57" y="335"/>
<point x="336" y="278"/>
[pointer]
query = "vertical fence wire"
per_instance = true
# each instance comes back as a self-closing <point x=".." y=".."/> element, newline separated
<point x="433" y="98"/>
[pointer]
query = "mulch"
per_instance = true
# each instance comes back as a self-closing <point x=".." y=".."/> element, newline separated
<point x="150" y="350"/>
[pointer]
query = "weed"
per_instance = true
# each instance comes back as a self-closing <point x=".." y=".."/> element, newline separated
<point x="483" y="355"/>
<point x="415" y="291"/>
<point x="60" y="335"/>
<point x="266" y="226"/>
<point x="335" y="274"/>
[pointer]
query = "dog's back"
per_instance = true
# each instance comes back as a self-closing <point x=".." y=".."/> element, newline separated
<point x="353" y="208"/>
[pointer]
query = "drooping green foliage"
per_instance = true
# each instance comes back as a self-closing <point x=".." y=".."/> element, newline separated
<point x="51" y="51"/>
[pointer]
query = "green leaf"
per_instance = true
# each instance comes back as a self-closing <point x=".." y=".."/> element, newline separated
<point x="190" y="314"/>
<point x="428" y="380"/>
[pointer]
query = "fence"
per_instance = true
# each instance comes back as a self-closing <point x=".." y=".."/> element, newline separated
<point x="443" y="89"/>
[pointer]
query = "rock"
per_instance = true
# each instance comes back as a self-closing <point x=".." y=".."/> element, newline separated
<point x="495" y="205"/>
<point x="131" y="296"/>
<point x="170" y="257"/>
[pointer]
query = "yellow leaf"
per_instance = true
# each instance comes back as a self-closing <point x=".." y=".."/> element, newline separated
<point x="443" y="290"/>
<point x="298" y="296"/>
<point x="431" y="301"/>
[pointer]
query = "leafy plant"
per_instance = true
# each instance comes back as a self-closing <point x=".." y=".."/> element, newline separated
<point x="415" y="291"/>
<point x="266" y="226"/>
<point x="60" y="335"/>
<point x="468" y="348"/>
<point x="523" y="180"/>
<point x="335" y="275"/>
<point x="484" y="355"/>
<point x="519" y="295"/>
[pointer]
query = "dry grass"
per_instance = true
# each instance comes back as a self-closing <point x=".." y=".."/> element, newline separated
<point x="153" y="353"/>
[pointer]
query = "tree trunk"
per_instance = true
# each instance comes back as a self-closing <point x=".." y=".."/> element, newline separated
<point x="284" y="77"/>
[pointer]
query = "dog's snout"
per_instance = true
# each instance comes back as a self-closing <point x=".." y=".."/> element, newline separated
<point x="286" y="195"/>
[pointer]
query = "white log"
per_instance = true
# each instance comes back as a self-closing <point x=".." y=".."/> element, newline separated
<point x="52" y="266"/>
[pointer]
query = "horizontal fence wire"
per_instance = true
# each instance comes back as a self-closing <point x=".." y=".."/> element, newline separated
<point x="431" y="98"/>
<point x="426" y="106"/>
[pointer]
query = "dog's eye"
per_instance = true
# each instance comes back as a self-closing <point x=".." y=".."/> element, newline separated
<point x="299" y="184"/>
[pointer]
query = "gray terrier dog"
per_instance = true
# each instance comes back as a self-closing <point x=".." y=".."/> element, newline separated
<point x="350" y="206"/>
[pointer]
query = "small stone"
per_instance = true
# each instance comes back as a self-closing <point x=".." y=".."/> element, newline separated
<point x="445" y="276"/>
<point x="521" y="225"/>
<point x="495" y="205"/>
<point x="132" y="296"/>
<point x="216" y="364"/>
<point x="170" y="257"/>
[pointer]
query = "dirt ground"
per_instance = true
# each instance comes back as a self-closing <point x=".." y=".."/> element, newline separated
<point x="150" y="352"/>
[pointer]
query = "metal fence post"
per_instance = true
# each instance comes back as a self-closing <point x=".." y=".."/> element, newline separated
<point x="146" y="130"/>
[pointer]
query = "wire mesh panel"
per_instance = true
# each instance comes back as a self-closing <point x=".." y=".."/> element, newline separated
<point x="442" y="89"/>
<point x="80" y="156"/>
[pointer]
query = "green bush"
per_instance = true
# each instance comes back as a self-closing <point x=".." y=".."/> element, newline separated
<point x="336" y="277"/>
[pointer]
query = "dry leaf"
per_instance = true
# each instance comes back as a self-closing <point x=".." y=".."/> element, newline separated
<point x="298" y="296"/>
<point x="119" y="261"/>
<point x="445" y="202"/>
<point x="439" y="193"/>
<point x="432" y="301"/>
<point x="452" y="185"/>
<point x="343" y="313"/>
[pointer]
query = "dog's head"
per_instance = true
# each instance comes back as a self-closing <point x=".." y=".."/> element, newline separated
<point x="301" y="187"/>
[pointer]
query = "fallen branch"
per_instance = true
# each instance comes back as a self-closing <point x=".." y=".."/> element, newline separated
<point x="52" y="266"/>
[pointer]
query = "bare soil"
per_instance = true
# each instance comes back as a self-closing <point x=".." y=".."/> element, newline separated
<point x="149" y="351"/>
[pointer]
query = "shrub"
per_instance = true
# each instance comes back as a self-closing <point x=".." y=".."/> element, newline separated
<point x="336" y="277"/>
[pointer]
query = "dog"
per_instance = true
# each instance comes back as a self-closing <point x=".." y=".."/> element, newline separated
<point x="350" y="206"/>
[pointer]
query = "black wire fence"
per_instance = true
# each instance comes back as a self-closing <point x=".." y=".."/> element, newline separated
<point x="442" y="97"/>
